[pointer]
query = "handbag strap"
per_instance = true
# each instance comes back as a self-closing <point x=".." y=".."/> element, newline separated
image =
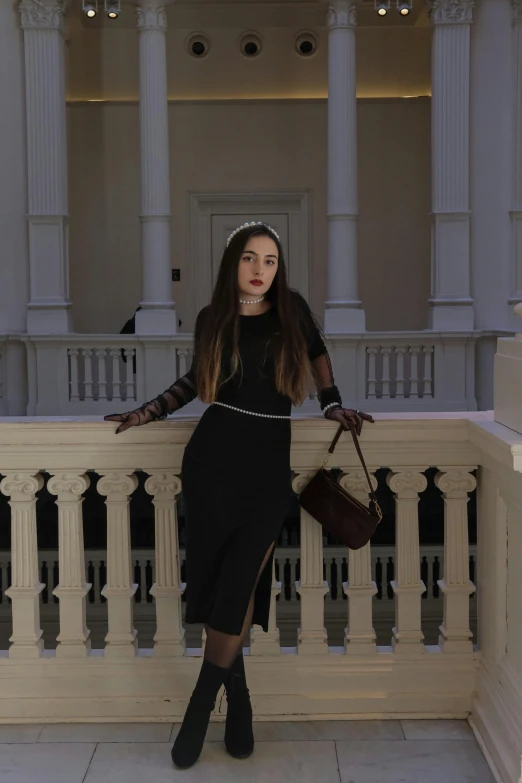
<point x="359" y="454"/>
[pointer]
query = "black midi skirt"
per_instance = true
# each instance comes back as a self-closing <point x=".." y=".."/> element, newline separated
<point x="236" y="484"/>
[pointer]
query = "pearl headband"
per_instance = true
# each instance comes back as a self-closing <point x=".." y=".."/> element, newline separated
<point x="250" y="225"/>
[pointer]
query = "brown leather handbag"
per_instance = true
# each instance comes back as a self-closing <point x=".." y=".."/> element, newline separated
<point x="338" y="512"/>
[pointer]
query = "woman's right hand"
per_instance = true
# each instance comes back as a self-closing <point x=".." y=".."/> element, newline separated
<point x="129" y="419"/>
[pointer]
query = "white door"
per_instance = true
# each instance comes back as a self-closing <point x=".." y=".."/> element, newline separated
<point x="223" y="225"/>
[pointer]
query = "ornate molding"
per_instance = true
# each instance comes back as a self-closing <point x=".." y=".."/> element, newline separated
<point x="25" y="484"/>
<point x="455" y="481"/>
<point x="163" y="485"/>
<point x="117" y="483"/>
<point x="152" y="15"/>
<point x="356" y="481"/>
<point x="341" y="13"/>
<point x="517" y="11"/>
<point x="407" y="483"/>
<point x="42" y="14"/>
<point x="300" y="481"/>
<point x="68" y="484"/>
<point x="451" y="11"/>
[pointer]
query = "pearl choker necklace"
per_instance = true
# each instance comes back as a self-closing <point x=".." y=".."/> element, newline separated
<point x="251" y="301"/>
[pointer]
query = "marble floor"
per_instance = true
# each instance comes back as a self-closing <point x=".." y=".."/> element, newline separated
<point x="407" y="751"/>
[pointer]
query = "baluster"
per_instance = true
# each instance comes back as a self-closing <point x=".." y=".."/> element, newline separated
<point x="334" y="579"/>
<point x="116" y="380"/>
<point x="73" y="639"/>
<point x="428" y="376"/>
<point x="137" y="578"/>
<point x="327" y="562"/>
<point x="436" y="577"/>
<point x="120" y="589"/>
<point x="101" y="354"/>
<point x="311" y="638"/>
<point x="407" y="585"/>
<point x="400" y="351"/>
<point x="425" y="575"/>
<point x="268" y="643"/>
<point x="97" y="583"/>
<point x="372" y="376"/>
<point x="87" y="361"/>
<point x="129" y="375"/>
<point x="378" y="577"/>
<point x="385" y="352"/>
<point x="455" y="635"/>
<point x="359" y="635"/>
<point x="5" y="583"/>
<point x="169" y="638"/>
<point x="414" y="374"/>
<point x="182" y="362"/>
<point x="21" y="487"/>
<point x="74" y="393"/>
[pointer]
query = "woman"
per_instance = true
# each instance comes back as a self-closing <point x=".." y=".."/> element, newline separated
<point x="256" y="345"/>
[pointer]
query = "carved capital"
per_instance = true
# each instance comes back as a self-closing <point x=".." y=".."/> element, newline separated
<point x="407" y="483"/>
<point x="455" y="482"/>
<point x="300" y="481"/>
<point x="42" y="14"/>
<point x="342" y="13"/>
<point x="356" y="481"/>
<point x="517" y="11"/>
<point x="68" y="484"/>
<point x="152" y="15"/>
<point x="163" y="485"/>
<point x="21" y="486"/>
<point x="116" y="483"/>
<point x="451" y="11"/>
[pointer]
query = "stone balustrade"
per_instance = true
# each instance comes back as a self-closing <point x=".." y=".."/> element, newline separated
<point x="123" y="679"/>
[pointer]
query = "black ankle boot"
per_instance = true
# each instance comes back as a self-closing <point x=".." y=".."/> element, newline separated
<point x="189" y="742"/>
<point x="239" y="737"/>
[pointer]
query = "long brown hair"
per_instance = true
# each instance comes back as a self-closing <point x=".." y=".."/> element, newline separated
<point x="220" y="327"/>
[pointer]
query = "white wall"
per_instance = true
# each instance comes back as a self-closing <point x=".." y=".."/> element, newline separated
<point x="103" y="61"/>
<point x="260" y="146"/>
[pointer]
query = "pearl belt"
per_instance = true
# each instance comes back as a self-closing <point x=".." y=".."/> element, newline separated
<point x="251" y="413"/>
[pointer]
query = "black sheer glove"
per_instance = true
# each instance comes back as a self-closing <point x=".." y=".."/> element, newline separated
<point x="350" y="419"/>
<point x="172" y="399"/>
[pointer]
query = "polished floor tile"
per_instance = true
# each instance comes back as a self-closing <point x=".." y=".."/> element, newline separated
<point x="437" y="730"/>
<point x="308" y="731"/>
<point x="411" y="761"/>
<point x="23" y="733"/>
<point x="45" y="763"/>
<point x="272" y="762"/>
<point x="106" y="732"/>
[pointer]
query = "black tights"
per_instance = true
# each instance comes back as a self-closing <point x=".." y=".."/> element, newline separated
<point x="222" y="649"/>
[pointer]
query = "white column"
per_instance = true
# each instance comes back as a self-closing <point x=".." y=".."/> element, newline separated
<point x="516" y="180"/>
<point x="451" y="302"/>
<point x="359" y="636"/>
<point x="158" y="314"/>
<point x="311" y="636"/>
<point x="14" y="254"/>
<point x="49" y="305"/>
<point x="494" y="188"/>
<point x="455" y="635"/>
<point x="407" y="586"/>
<point x="120" y="589"/>
<point x="268" y="643"/>
<point x="170" y="635"/>
<point x="343" y="309"/>
<point x="21" y="487"/>
<point x="73" y="639"/>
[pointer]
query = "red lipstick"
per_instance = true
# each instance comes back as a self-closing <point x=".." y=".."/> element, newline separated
<point x="256" y="282"/>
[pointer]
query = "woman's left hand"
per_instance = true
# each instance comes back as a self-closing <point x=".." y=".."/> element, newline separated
<point x="350" y="419"/>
